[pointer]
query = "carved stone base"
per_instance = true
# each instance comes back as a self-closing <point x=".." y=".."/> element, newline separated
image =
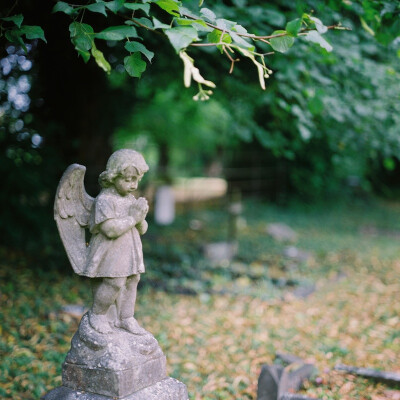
<point x="167" y="389"/>
<point x="116" y="384"/>
<point x="115" y="365"/>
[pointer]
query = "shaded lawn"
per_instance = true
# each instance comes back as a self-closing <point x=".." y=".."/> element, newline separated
<point x="216" y="344"/>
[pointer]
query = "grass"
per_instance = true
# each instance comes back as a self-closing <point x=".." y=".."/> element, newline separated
<point x="216" y="340"/>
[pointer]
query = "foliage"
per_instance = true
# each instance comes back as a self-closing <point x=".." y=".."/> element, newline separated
<point x="380" y="18"/>
<point x="217" y="343"/>
<point x="187" y="25"/>
<point x="13" y="30"/>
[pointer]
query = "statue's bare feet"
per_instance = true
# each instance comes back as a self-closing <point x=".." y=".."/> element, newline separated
<point x="130" y="325"/>
<point x="99" y="322"/>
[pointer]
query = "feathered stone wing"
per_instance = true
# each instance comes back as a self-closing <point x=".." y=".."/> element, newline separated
<point x="72" y="211"/>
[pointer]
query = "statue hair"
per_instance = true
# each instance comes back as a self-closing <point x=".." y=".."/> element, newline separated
<point x="119" y="162"/>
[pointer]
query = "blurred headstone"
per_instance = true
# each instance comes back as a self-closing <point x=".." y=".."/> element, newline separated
<point x="164" y="207"/>
<point x="220" y="251"/>
<point x="268" y="382"/>
<point x="296" y="254"/>
<point x="293" y="377"/>
<point x="281" y="232"/>
<point x="278" y="381"/>
<point x="303" y="291"/>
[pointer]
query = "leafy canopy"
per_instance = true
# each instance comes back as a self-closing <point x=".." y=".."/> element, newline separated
<point x="185" y="24"/>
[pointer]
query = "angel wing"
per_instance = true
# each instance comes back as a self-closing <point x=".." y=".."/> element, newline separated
<point x="72" y="211"/>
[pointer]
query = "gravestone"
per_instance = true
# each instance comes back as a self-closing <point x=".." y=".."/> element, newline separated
<point x="164" y="205"/>
<point x="111" y="355"/>
<point x="283" y="378"/>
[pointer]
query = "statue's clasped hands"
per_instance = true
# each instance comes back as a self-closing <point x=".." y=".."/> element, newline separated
<point x="139" y="209"/>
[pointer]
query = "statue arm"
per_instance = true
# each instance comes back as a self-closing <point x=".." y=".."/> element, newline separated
<point x="142" y="227"/>
<point x="115" y="227"/>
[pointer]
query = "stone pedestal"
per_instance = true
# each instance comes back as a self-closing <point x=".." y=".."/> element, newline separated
<point x="167" y="389"/>
<point x="116" y="365"/>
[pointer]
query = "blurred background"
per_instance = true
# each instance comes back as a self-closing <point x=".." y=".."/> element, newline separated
<point x="253" y="193"/>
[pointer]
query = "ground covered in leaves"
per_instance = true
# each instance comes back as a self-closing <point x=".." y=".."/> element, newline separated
<point x="230" y="318"/>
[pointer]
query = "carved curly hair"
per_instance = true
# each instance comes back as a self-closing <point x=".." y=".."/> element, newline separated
<point x="119" y="162"/>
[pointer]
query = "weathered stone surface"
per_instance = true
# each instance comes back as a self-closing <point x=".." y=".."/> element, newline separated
<point x="268" y="382"/>
<point x="111" y="355"/>
<point x="277" y="381"/>
<point x="293" y="377"/>
<point x="114" y="364"/>
<point x="167" y="389"/>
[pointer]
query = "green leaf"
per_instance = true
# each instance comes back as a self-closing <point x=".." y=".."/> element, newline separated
<point x="241" y="42"/>
<point x="208" y="14"/>
<point x="14" y="36"/>
<point x="315" y="105"/>
<point x="170" y="6"/>
<point x="134" y="65"/>
<point x="81" y="36"/>
<point x="117" y="33"/>
<point x="225" y="24"/>
<point x="144" y="21"/>
<point x="389" y="164"/>
<point x="181" y="37"/>
<point x="77" y="28"/>
<point x="293" y="27"/>
<point x="134" y="47"/>
<point x="281" y="43"/>
<point x="136" y="6"/>
<point x="115" y="5"/>
<point x="319" y="26"/>
<point x="61" y="6"/>
<point x="33" y="32"/>
<point x="184" y="21"/>
<point x="239" y="29"/>
<point x="98" y="8"/>
<point x="304" y="132"/>
<point x="274" y="18"/>
<point x="100" y="60"/>
<point x="17" y="19"/>
<point x="85" y="55"/>
<point x="315" y="37"/>
<point x="215" y="37"/>
<point x="160" y="25"/>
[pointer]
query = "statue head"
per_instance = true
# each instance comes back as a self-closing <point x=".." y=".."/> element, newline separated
<point x="119" y="162"/>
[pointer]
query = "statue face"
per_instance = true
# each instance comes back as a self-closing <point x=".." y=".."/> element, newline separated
<point x="127" y="183"/>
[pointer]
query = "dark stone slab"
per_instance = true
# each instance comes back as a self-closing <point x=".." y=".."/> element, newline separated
<point x="167" y="389"/>
<point x="268" y="382"/>
<point x="293" y="377"/>
<point x="392" y="378"/>
<point x="287" y="358"/>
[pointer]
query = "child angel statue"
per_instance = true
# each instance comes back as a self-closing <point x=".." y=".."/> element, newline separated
<point x="115" y="219"/>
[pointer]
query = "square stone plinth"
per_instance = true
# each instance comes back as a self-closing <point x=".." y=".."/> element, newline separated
<point x="167" y="389"/>
<point x="116" y="384"/>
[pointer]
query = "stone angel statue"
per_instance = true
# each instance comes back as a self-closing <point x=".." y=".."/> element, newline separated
<point x="115" y="219"/>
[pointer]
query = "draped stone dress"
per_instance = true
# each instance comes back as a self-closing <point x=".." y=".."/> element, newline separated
<point x="113" y="258"/>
